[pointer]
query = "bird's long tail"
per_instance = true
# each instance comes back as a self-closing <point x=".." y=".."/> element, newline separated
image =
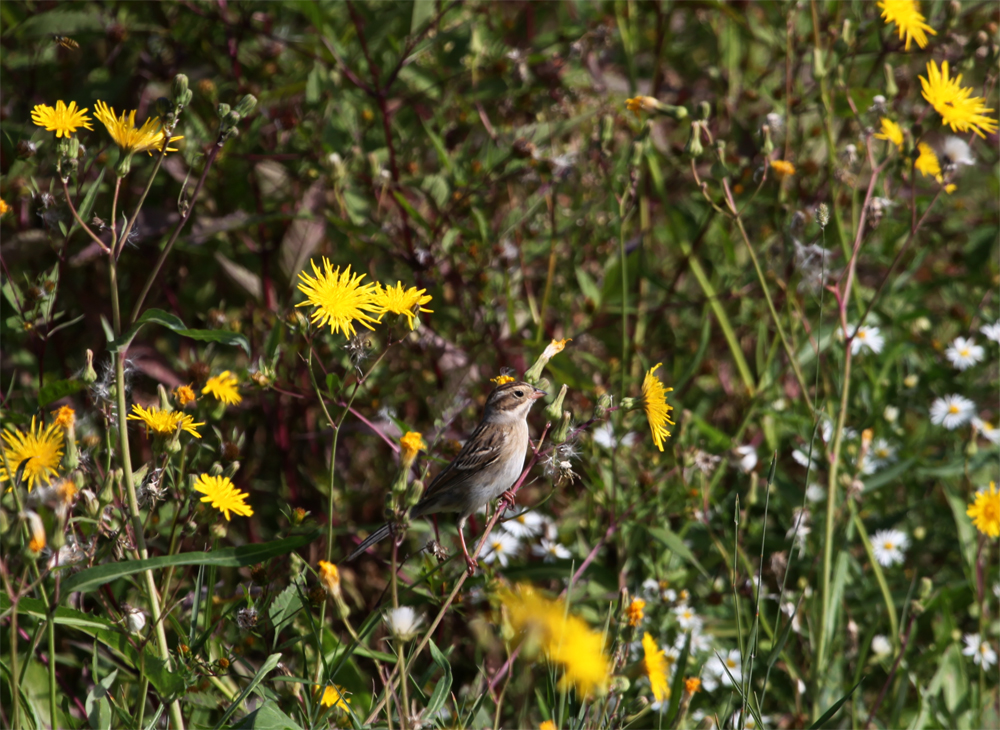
<point x="380" y="534"/>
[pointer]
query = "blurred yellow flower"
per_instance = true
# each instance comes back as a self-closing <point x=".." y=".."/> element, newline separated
<point x="654" y="403"/>
<point x="634" y="611"/>
<point x="891" y="132"/>
<point x="783" y="167"/>
<point x="65" y="417"/>
<point x="410" y="443"/>
<point x="184" y="394"/>
<point x="223" y="387"/>
<point x="565" y="639"/>
<point x="42" y="446"/>
<point x="502" y="380"/>
<point x="164" y="423"/>
<point x="958" y="108"/>
<point x="223" y="495"/>
<point x="329" y="576"/>
<point x="985" y="511"/>
<point x="641" y="103"/>
<point x="692" y="685"/>
<point x="37" y="530"/>
<point x="927" y="163"/>
<point x="339" y="298"/>
<point x="398" y="300"/>
<point x="547" y="725"/>
<point x="908" y="19"/>
<point x="147" y="138"/>
<point x="654" y="663"/>
<point x="3" y="207"/>
<point x="333" y="696"/>
<point x="63" y="120"/>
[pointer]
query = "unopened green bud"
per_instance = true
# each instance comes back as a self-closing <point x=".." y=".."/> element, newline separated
<point x="246" y="105"/>
<point x="554" y="409"/>
<point x="891" y="90"/>
<point x="124" y="165"/>
<point x="231" y="469"/>
<point x="604" y="402"/>
<point x="704" y="111"/>
<point x="926" y="586"/>
<point x="182" y="94"/>
<point x="562" y="428"/>
<point x="847" y="32"/>
<point x="819" y="69"/>
<point x="216" y="469"/>
<point x="676" y="113"/>
<point x="823" y="215"/>
<point x="164" y="398"/>
<point x="768" y="147"/>
<point x="972" y="448"/>
<point x="89" y="375"/>
<point x="693" y="147"/>
<point x="71" y="458"/>
<point x="217" y="530"/>
<point x="223" y="110"/>
<point x="630" y="404"/>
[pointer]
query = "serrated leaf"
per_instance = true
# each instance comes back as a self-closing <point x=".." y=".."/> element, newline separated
<point x="443" y="686"/>
<point x="674" y="543"/>
<point x="88" y="580"/>
<point x="96" y="705"/>
<point x="284" y="607"/>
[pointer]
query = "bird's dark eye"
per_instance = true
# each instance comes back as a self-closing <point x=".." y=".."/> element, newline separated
<point x="519" y="393"/>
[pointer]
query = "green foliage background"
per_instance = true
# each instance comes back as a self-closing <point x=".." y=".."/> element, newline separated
<point x="483" y="152"/>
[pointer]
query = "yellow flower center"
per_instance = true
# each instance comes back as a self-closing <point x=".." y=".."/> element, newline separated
<point x="953" y="409"/>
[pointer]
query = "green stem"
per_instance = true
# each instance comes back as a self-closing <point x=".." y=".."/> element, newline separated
<point x="624" y="267"/>
<point x="176" y="718"/>
<point x="50" y="635"/>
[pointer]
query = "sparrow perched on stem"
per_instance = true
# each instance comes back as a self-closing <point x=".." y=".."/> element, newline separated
<point x="486" y="467"/>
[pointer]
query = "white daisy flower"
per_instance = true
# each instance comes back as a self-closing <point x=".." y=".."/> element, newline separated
<point x="881" y="646"/>
<point x="669" y="594"/>
<point x="700" y="642"/>
<point x="551" y="551"/>
<point x="790" y="609"/>
<point x="709" y="682"/>
<point x="980" y="651"/>
<point x="990" y="432"/>
<point x="403" y="622"/>
<point x="867" y="338"/>
<point x="991" y="331"/>
<point x="525" y="525"/>
<point x="746" y="457"/>
<point x="726" y="667"/>
<point x="815" y="493"/>
<point x="952" y="411"/>
<point x="687" y="618"/>
<point x="888" y="546"/>
<point x="964" y="353"/>
<point x="651" y="588"/>
<point x="500" y="546"/>
<point x="957" y="151"/>
<point x="880" y="455"/>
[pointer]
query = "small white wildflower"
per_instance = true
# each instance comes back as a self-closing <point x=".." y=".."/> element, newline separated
<point x="881" y="646"/>
<point x="980" y="651"/>
<point x="991" y="331"/>
<point x="726" y="667"/>
<point x="956" y="151"/>
<point x="403" y="622"/>
<point x="551" y="551"/>
<point x="890" y="413"/>
<point x="135" y="620"/>
<point x="802" y="458"/>
<point x="952" y="411"/>
<point x="880" y="455"/>
<point x="990" y="432"/>
<point x="687" y="618"/>
<point x="746" y="457"/>
<point x="815" y="493"/>
<point x="888" y="546"/>
<point x="866" y="338"/>
<point x="500" y="546"/>
<point x="964" y="353"/>
<point x="525" y="525"/>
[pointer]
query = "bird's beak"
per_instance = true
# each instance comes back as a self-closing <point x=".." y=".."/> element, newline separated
<point x="538" y="394"/>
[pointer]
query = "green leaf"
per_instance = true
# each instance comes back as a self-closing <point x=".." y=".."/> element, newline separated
<point x="966" y="530"/>
<point x="88" y="580"/>
<point x="97" y="706"/>
<point x="443" y="687"/>
<point x="836" y="706"/>
<point x="267" y="717"/>
<point x="674" y="543"/>
<point x="269" y="664"/>
<point x="55" y="390"/>
<point x="423" y="11"/>
<point x="284" y="607"/>
<point x="174" y="323"/>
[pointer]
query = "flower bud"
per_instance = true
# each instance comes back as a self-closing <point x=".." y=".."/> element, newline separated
<point x="89" y="375"/>
<point x="704" y="111"/>
<point x="124" y="165"/>
<point x="551" y="350"/>
<point x="768" y="147"/>
<point x="562" y="428"/>
<point x="604" y="402"/>
<point x="246" y="105"/>
<point x="231" y="469"/>
<point x="891" y="90"/>
<point x="217" y="530"/>
<point x="181" y="93"/>
<point x="693" y="147"/>
<point x="554" y="409"/>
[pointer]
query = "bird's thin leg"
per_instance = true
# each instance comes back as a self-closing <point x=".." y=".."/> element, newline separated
<point x="507" y="500"/>
<point x="469" y="560"/>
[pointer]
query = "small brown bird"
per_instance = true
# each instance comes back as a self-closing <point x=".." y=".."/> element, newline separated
<point x="486" y="467"/>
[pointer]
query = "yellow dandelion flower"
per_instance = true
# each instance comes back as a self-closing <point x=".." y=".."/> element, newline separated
<point x="891" y="132"/>
<point x="162" y="422"/>
<point x="985" y="511"/>
<point x="333" y="696"/>
<point x="147" y="138"/>
<point x="950" y="188"/>
<point x="908" y="19"/>
<point x="223" y="495"/>
<point x="41" y="445"/>
<point x="783" y="167"/>
<point x="4" y="208"/>
<point x="654" y="663"/>
<point x="654" y="403"/>
<point x="223" y="387"/>
<point x="692" y="685"/>
<point x="635" y="611"/>
<point x="65" y="417"/>
<point x="565" y="639"/>
<point x="339" y="298"/>
<point x="397" y="300"/>
<point x="63" y="120"/>
<point x="958" y="108"/>
<point x="641" y="103"/>
<point x="184" y="394"/>
<point x="329" y="576"/>
<point x="547" y="725"/>
<point x="502" y="379"/>
<point x="410" y="444"/>
<point x="927" y="163"/>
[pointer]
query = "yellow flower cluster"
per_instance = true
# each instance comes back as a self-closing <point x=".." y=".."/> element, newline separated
<point x="223" y="495"/>
<point x="65" y="119"/>
<point x="565" y="639"/>
<point x="341" y="299"/>
<point x="40" y="449"/>
<point x="985" y="511"/>
<point x="654" y="402"/>
<point x="655" y="665"/>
